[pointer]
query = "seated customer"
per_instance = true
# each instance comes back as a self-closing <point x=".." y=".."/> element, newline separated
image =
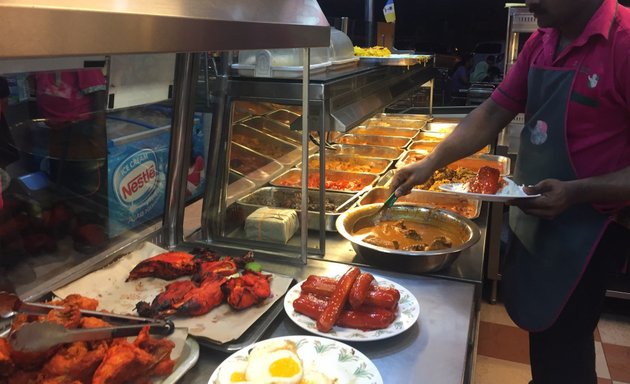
<point x="481" y="69"/>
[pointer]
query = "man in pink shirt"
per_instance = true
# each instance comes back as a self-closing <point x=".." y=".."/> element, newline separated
<point x="571" y="81"/>
<point x="73" y="104"/>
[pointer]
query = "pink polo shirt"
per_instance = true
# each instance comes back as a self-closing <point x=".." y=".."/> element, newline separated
<point x="598" y="116"/>
<point x="64" y="96"/>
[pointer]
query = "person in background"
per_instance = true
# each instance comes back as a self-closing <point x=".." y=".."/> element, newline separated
<point x="72" y="104"/>
<point x="481" y="69"/>
<point x="571" y="81"/>
<point x="460" y="79"/>
<point x="494" y="74"/>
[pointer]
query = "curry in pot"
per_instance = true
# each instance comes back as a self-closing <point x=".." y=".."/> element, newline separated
<point x="407" y="235"/>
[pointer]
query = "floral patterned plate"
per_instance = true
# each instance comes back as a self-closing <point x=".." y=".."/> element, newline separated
<point x="333" y="358"/>
<point x="408" y="312"/>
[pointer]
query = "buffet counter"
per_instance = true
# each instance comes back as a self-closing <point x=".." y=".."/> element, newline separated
<point x="434" y="350"/>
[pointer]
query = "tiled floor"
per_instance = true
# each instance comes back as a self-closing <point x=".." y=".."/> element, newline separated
<point x="503" y="351"/>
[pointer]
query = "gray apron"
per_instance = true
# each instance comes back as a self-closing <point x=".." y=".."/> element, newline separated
<point x="546" y="258"/>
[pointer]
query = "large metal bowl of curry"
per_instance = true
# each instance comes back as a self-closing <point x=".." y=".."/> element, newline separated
<point x="410" y="236"/>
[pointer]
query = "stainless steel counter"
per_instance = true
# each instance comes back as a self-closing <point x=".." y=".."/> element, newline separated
<point x="435" y="350"/>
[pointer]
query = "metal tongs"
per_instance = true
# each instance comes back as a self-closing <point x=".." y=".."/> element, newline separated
<point x="40" y="336"/>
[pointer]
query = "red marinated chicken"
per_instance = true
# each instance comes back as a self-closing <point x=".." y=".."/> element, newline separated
<point x="249" y="289"/>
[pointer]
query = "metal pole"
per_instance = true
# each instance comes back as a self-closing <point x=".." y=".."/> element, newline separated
<point x="186" y="68"/>
<point x="344" y="24"/>
<point x="369" y="23"/>
<point x="306" y="73"/>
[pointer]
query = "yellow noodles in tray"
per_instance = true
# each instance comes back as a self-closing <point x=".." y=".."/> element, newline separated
<point x="377" y="51"/>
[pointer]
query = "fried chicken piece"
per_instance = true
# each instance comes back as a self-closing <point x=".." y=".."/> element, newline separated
<point x="61" y="380"/>
<point x="89" y="322"/>
<point x="69" y="317"/>
<point x="160" y="349"/>
<point x="21" y="319"/>
<point x="6" y="363"/>
<point x="76" y="300"/>
<point x="31" y="360"/>
<point x="26" y="377"/>
<point x="76" y="361"/>
<point x="123" y="362"/>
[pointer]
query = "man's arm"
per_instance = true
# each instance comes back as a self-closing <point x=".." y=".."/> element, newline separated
<point x="476" y="130"/>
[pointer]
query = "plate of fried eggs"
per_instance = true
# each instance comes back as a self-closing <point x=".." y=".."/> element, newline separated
<point x="297" y="360"/>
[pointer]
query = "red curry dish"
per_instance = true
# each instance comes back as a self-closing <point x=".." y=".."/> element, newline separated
<point x="488" y="181"/>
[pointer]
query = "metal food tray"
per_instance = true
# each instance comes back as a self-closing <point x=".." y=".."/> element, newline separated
<point x="475" y="162"/>
<point x="398" y="59"/>
<point x="293" y="179"/>
<point x="425" y="145"/>
<point x="385" y="131"/>
<point x="469" y="208"/>
<point x="440" y="127"/>
<point x="399" y="122"/>
<point x="238" y="185"/>
<point x="283" y="197"/>
<point x="187" y="360"/>
<point x="430" y="136"/>
<point x="278" y="130"/>
<point x="472" y="162"/>
<point x="283" y="116"/>
<point x="411" y="157"/>
<point x="403" y="116"/>
<point x="376" y="166"/>
<point x="281" y="151"/>
<point x="380" y="141"/>
<point x="259" y="172"/>
<point x="367" y="151"/>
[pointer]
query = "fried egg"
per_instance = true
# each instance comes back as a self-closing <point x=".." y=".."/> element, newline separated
<point x="279" y="367"/>
<point x="234" y="372"/>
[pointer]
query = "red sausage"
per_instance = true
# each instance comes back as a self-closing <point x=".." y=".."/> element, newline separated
<point x="337" y="300"/>
<point x="378" y="296"/>
<point x="366" y="318"/>
<point x="359" y="290"/>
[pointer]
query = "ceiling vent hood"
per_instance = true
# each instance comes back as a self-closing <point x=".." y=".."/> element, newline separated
<point x="45" y="28"/>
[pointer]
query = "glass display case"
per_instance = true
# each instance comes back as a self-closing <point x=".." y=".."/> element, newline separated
<point x="102" y="143"/>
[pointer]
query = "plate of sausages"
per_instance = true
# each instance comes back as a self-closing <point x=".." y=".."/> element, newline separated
<point x="356" y="306"/>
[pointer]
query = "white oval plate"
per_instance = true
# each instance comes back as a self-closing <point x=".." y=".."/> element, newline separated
<point x="408" y="312"/>
<point x="333" y="358"/>
<point x="510" y="192"/>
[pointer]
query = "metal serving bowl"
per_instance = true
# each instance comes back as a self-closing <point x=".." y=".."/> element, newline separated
<point x="412" y="261"/>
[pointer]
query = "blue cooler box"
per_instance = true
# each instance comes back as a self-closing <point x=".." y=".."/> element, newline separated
<point x="137" y="166"/>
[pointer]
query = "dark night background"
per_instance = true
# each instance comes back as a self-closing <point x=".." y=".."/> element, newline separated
<point x="439" y="26"/>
